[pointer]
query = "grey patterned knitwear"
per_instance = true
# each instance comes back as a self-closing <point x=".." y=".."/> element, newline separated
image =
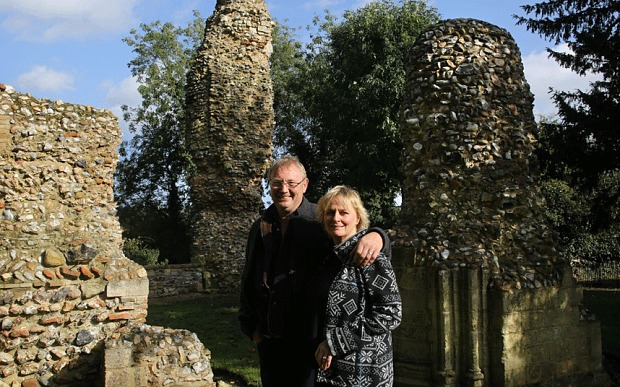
<point x="363" y="307"/>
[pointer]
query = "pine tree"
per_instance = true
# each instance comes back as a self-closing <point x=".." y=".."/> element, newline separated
<point x="588" y="133"/>
<point x="580" y="151"/>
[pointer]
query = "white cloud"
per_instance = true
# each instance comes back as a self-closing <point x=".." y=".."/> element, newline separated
<point x="47" y="21"/>
<point x="543" y="72"/>
<point x="123" y="93"/>
<point x="43" y="78"/>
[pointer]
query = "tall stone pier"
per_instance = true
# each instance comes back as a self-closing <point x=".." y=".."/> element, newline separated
<point x="488" y="298"/>
<point x="230" y="112"/>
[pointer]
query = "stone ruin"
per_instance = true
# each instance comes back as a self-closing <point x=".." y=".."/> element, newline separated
<point x="72" y="306"/>
<point x="488" y="298"/>
<point x="230" y="112"/>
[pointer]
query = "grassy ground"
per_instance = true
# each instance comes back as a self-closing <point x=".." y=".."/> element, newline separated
<point x="214" y="320"/>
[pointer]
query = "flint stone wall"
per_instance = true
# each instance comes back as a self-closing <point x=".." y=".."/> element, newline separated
<point x="230" y="112"/>
<point x="65" y="285"/>
<point x="174" y="280"/>
<point x="486" y="292"/>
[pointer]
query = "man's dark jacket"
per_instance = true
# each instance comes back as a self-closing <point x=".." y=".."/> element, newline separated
<point x="272" y="307"/>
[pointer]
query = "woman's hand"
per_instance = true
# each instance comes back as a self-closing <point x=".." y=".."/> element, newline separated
<point x="323" y="356"/>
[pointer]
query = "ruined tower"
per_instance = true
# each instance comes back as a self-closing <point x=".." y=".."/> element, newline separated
<point x="230" y="112"/>
<point x="72" y="306"/>
<point x="488" y="298"/>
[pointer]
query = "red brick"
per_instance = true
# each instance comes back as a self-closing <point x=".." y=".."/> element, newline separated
<point x="97" y="271"/>
<point x="72" y="274"/>
<point x="19" y="333"/>
<point x="119" y="316"/>
<point x="30" y="383"/>
<point x="86" y="272"/>
<point x="51" y="320"/>
<point x="49" y="273"/>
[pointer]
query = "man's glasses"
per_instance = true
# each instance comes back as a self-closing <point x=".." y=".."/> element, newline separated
<point x="279" y="184"/>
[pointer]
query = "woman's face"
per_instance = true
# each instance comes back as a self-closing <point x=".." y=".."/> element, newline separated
<point x="340" y="221"/>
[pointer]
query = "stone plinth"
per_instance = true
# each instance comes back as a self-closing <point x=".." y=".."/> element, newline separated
<point x="230" y="113"/>
<point x="473" y="242"/>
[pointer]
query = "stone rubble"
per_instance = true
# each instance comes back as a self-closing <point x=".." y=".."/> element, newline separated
<point x="161" y="356"/>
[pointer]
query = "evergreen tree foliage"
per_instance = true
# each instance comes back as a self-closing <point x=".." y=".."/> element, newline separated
<point x="340" y="112"/>
<point x="581" y="149"/>
<point x="151" y="189"/>
<point x="589" y="132"/>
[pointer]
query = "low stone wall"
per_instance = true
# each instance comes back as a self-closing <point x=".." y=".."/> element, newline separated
<point x="603" y="274"/>
<point x="545" y="335"/>
<point x="174" y="280"/>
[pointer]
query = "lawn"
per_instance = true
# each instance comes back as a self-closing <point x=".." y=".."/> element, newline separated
<point x="214" y="319"/>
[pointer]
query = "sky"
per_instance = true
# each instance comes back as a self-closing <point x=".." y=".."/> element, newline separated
<point x="72" y="50"/>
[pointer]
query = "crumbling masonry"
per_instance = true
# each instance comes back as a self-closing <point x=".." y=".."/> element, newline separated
<point x="488" y="298"/>
<point x="230" y="112"/>
<point x="72" y="307"/>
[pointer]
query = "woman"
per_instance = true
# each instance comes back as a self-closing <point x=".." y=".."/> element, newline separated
<point x="361" y="305"/>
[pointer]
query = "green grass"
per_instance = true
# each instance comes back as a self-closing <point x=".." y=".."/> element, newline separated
<point x="214" y="320"/>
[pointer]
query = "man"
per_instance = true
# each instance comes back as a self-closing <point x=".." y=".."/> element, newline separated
<point x="285" y="244"/>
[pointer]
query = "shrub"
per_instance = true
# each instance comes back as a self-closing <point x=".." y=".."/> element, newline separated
<point x="136" y="250"/>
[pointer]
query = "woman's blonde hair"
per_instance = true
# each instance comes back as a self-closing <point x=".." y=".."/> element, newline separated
<point x="349" y="198"/>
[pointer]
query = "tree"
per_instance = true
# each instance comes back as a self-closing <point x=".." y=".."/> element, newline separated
<point x="150" y="178"/>
<point x="347" y="93"/>
<point x="582" y="148"/>
<point x="588" y="131"/>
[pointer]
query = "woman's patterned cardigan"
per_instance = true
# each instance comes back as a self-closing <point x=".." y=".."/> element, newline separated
<point x="363" y="307"/>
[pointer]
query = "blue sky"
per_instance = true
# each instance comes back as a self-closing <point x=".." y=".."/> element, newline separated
<point x="72" y="50"/>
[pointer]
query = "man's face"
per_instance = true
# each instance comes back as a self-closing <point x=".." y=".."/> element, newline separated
<point x="287" y="187"/>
